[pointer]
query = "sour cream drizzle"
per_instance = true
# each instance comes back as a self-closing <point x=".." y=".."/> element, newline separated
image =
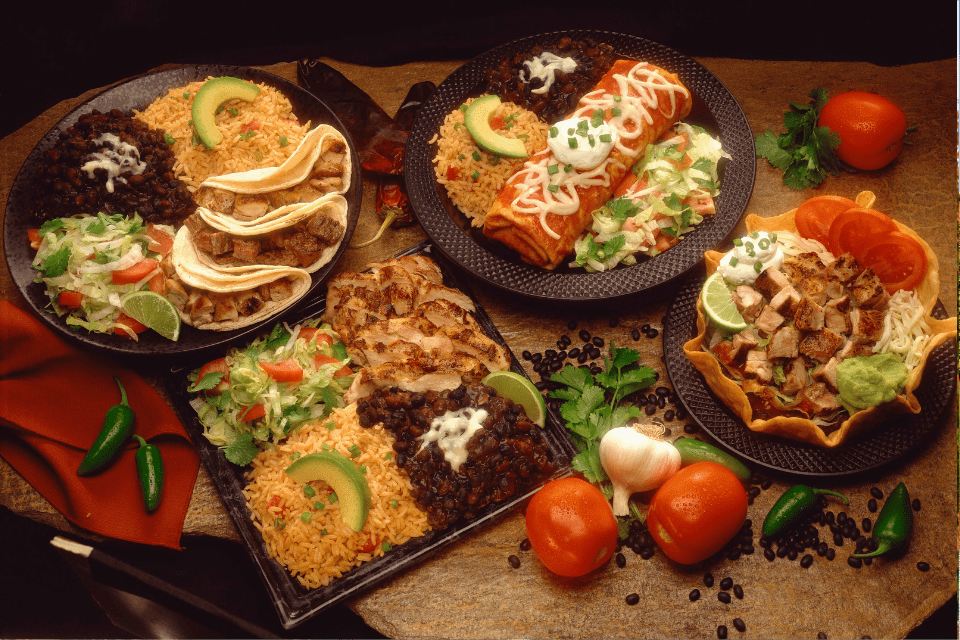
<point x="115" y="157"/>
<point x="452" y="431"/>
<point x="545" y="67"/>
<point x="543" y="190"/>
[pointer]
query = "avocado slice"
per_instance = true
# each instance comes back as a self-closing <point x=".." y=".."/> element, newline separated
<point x="344" y="476"/>
<point x="211" y="95"/>
<point x="477" y="119"/>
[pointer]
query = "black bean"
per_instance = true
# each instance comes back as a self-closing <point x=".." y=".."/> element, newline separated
<point x="792" y="554"/>
<point x="652" y="333"/>
<point x="621" y="560"/>
<point x="572" y="325"/>
<point x="923" y="566"/>
<point x="841" y="517"/>
<point x="822" y="549"/>
<point x="726" y="583"/>
<point x="723" y="597"/>
<point x="916" y="504"/>
<point x="821" y="636"/>
<point x="526" y="355"/>
<point x="734" y="554"/>
<point x="831" y="553"/>
<point x="536" y="357"/>
<point x="769" y="554"/>
<point x="708" y="579"/>
<point x="876" y="493"/>
<point x="635" y="334"/>
<point x="662" y="391"/>
<point x="722" y="632"/>
<point x="740" y="625"/>
<point x="583" y="357"/>
<point x="806" y="561"/>
<point x="681" y="413"/>
<point x="584" y="335"/>
<point x="856" y="563"/>
<point x="647" y="552"/>
<point x="645" y="328"/>
<point x="838" y="539"/>
<point x="766" y="484"/>
<point x="783" y="551"/>
<point x="598" y="341"/>
<point x="550" y="353"/>
<point x="573" y="353"/>
<point x="694" y="595"/>
<point x="632" y="599"/>
<point x="872" y="505"/>
<point x="514" y="562"/>
<point x="866" y="525"/>
<point x="690" y="428"/>
<point x="738" y="592"/>
<point x="650" y="409"/>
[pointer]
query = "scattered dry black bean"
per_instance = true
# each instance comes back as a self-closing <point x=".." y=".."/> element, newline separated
<point x="621" y="560"/>
<point x="635" y="334"/>
<point x="690" y="428"/>
<point x="694" y="595"/>
<point x="726" y="583"/>
<point x="708" y="579"/>
<point x="525" y="545"/>
<point x="872" y="505"/>
<point x="923" y="566"/>
<point x="876" y="493"/>
<point x="806" y="561"/>
<point x="514" y="561"/>
<point x="722" y="632"/>
<point x="738" y="592"/>
<point x="916" y="504"/>
<point x="724" y="597"/>
<point x="739" y="625"/>
<point x="633" y="599"/>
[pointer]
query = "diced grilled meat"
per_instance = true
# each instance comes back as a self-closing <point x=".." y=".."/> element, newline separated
<point x="796" y="378"/>
<point x="248" y="302"/>
<point x="846" y="268"/>
<point x="786" y="300"/>
<point x="325" y="228"/>
<point x="784" y="343"/>
<point x="768" y="320"/>
<point x="770" y="282"/>
<point x="246" y="249"/>
<point x="827" y="373"/>
<point x="250" y="206"/>
<point x="835" y="320"/>
<point x="175" y="293"/>
<point x="214" y="199"/>
<point x="808" y="316"/>
<point x="866" y="325"/>
<point x="758" y="366"/>
<point x="749" y="302"/>
<point x="820" y="345"/>
<point x="817" y="399"/>
<point x="868" y="291"/>
<point x="200" y="308"/>
<point x="225" y="308"/>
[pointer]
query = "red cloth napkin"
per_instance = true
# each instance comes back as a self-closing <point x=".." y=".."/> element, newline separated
<point x="53" y="398"/>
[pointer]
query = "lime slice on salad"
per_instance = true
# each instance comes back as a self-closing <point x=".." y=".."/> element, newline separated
<point x="519" y="389"/>
<point x="153" y="310"/>
<point x="718" y="305"/>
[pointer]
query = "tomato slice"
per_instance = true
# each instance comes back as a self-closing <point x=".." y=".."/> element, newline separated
<point x="252" y="413"/>
<point x="321" y="359"/>
<point x="70" y="299"/>
<point x="897" y="259"/>
<point x="136" y="273"/>
<point x="852" y="230"/>
<point x="160" y="241"/>
<point x="814" y="217"/>
<point x="284" y="371"/>
<point x="135" y="325"/>
<point x="217" y="366"/>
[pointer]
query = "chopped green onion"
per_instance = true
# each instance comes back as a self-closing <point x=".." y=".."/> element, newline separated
<point x="476" y="156"/>
<point x="758" y="266"/>
<point x="463" y="108"/>
<point x="219" y="109"/>
<point x="591" y="140"/>
<point x="333" y="498"/>
<point x="617" y="112"/>
<point x="734" y="261"/>
<point x="553" y="187"/>
<point x="233" y="111"/>
<point x="572" y="142"/>
<point x="331" y="426"/>
<point x="475" y="176"/>
<point x="283" y="141"/>
<point x="773" y="237"/>
<point x="318" y="505"/>
<point x="617" y="98"/>
<point x="387" y="547"/>
<point x="494" y="161"/>
<point x="554" y="132"/>
<point x="305" y="516"/>
<point x="754" y="235"/>
<point x="295" y="455"/>
<point x="169" y="139"/>
<point x="388" y="456"/>
<point x="309" y="491"/>
<point x="363" y="469"/>
<point x="394" y="504"/>
<point x="567" y="168"/>
<point x="605" y="137"/>
<point x="737" y="242"/>
<point x="186" y="95"/>
<point x="553" y="169"/>
<point x="325" y="446"/>
<point x="764" y="244"/>
<point x="258" y="155"/>
<point x="354" y="450"/>
<point x="279" y="524"/>
<point x="323" y="532"/>
<point x="456" y="126"/>
<point x="597" y="119"/>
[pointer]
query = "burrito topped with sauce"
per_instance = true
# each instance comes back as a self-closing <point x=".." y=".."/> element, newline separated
<point x="549" y="203"/>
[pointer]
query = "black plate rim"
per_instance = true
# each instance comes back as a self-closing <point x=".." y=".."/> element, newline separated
<point x="150" y="344"/>
<point x="920" y="428"/>
<point x="534" y="282"/>
<point x="293" y="603"/>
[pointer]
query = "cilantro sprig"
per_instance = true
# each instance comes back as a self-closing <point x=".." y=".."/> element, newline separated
<point x="592" y="405"/>
<point x="805" y="152"/>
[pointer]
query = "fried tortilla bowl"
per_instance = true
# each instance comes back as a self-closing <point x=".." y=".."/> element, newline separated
<point x="804" y="429"/>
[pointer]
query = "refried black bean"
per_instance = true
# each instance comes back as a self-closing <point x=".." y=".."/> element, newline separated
<point x="64" y="189"/>
<point x="508" y="454"/>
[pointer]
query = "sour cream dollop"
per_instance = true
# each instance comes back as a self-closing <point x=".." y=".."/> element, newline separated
<point x="581" y="142"/>
<point x="545" y="67"/>
<point x="750" y="256"/>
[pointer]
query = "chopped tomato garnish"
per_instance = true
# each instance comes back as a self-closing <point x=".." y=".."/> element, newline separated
<point x="452" y="173"/>
<point x="217" y="366"/>
<point x="284" y="371"/>
<point x="307" y="333"/>
<point x="136" y="273"/>
<point x="322" y="360"/>
<point x="70" y="299"/>
<point x="497" y="122"/>
<point x="160" y="240"/>
<point x="253" y="126"/>
<point x="275" y="502"/>
<point x="33" y="235"/>
<point x="252" y="413"/>
<point x="370" y="544"/>
<point x="134" y="325"/>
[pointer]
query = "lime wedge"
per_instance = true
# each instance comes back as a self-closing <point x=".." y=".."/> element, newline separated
<point x="718" y="305"/>
<point x="519" y="389"/>
<point x="153" y="310"/>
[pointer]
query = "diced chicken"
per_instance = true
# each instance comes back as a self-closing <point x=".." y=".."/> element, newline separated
<point x="803" y="265"/>
<point x="770" y="282"/>
<point x="167" y="267"/>
<point x="768" y="320"/>
<point x="821" y="345"/>
<point x="246" y="249"/>
<point x="214" y="199"/>
<point x="846" y="268"/>
<point x="305" y="246"/>
<point x="276" y="291"/>
<point x="852" y="349"/>
<point x="325" y="228"/>
<point x="175" y="293"/>
<point x="784" y="343"/>
<point x="786" y="301"/>
<point x="868" y="291"/>
<point x="817" y="399"/>
<point x="326" y="185"/>
<point x="835" y="320"/>
<point x="250" y="206"/>
<point x="200" y="308"/>
<point x="305" y="192"/>
<point x="866" y="325"/>
<point x="746" y="339"/>
<point x="758" y="366"/>
<point x="796" y="378"/>
<point x="749" y="302"/>
<point x="282" y="198"/>
<point x="808" y="316"/>
<point x="728" y="350"/>
<point x="225" y="308"/>
<point x="248" y="302"/>
<point x="326" y="169"/>
<point x="724" y="351"/>
<point x="827" y="373"/>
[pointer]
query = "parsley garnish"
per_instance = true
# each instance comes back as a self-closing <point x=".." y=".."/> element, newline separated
<point x="241" y="451"/>
<point x="805" y="152"/>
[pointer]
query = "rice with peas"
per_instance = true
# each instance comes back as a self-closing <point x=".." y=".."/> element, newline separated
<point x="471" y="176"/>
<point x="276" y="132"/>
<point x="313" y="543"/>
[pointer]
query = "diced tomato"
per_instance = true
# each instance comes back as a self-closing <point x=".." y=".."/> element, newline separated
<point x="665" y="241"/>
<point x="157" y="283"/>
<point x="217" y="366"/>
<point x="33" y="235"/>
<point x="814" y="217"/>
<point x="70" y="299"/>
<point x="497" y="122"/>
<point x="852" y="230"/>
<point x="284" y="371"/>
<point x="370" y="544"/>
<point x="252" y="413"/>
<point x="253" y="126"/>
<point x="307" y="333"/>
<point x="275" y="502"/>
<point x="160" y="240"/>
<point x="452" y="173"/>
<point x="135" y="325"/>
<point x="683" y="163"/>
<point x="136" y="273"/>
<point x="625" y="185"/>
<point x="898" y="260"/>
<point x="321" y="359"/>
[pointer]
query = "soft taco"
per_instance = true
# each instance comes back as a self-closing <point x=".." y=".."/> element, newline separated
<point x="321" y="166"/>
<point x="211" y="299"/>
<point x="821" y="330"/>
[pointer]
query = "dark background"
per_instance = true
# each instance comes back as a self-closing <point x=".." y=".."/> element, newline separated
<point x="57" y="51"/>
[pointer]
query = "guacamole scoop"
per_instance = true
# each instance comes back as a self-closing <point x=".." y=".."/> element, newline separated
<point x="868" y="381"/>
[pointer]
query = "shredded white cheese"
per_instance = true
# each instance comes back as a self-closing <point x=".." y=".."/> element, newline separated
<point x="905" y="332"/>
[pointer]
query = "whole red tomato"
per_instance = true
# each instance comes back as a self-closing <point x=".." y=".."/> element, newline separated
<point x="697" y="511"/>
<point x="571" y="527"/>
<point x="871" y="128"/>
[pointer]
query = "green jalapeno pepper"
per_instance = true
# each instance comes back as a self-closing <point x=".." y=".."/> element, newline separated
<point x="791" y="506"/>
<point x="893" y="523"/>
<point x="693" y="450"/>
<point x="150" y="472"/>
<point x="117" y="425"/>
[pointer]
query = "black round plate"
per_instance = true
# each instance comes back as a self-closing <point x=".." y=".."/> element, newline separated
<point x="137" y="93"/>
<point x="714" y="108"/>
<point x="882" y="445"/>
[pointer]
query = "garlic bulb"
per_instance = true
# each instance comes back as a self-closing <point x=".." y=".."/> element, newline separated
<point x="635" y="462"/>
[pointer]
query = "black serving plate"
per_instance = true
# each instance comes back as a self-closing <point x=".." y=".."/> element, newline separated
<point x="137" y="93"/>
<point x="882" y="445"/>
<point x="715" y="109"/>
<point x="294" y="603"/>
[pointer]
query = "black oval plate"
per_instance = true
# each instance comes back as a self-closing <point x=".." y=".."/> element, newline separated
<point x="881" y="446"/>
<point x="137" y="93"/>
<point x="714" y="108"/>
